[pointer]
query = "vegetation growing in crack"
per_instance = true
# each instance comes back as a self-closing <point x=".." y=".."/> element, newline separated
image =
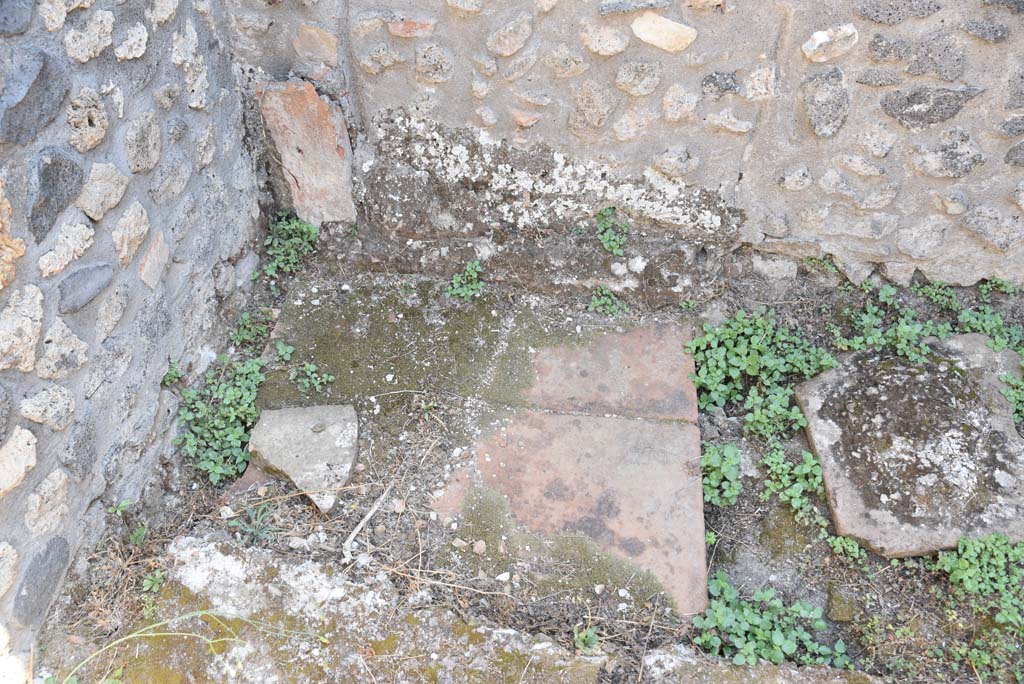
<point x="251" y="329"/>
<point x="889" y="325"/>
<point x="612" y="232"/>
<point x="288" y="242"/>
<point x="467" y="284"/>
<point x="986" y="577"/>
<point x="763" y="628"/>
<point x="604" y="301"/>
<point x="307" y="376"/>
<point x="720" y="467"/>
<point x="218" y="417"/>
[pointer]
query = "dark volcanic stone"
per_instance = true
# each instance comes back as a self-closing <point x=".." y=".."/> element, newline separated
<point x="923" y="106"/>
<point x="5" y="411"/>
<point x="623" y="6"/>
<point x="886" y="49"/>
<point x="879" y="77"/>
<point x="1015" y="155"/>
<point x="82" y="286"/>
<point x="718" y="83"/>
<point x="40" y="582"/>
<point x="56" y="180"/>
<point x="15" y="16"/>
<point x="986" y="29"/>
<point x="1013" y="126"/>
<point x="826" y="101"/>
<point x="938" y="54"/>
<point x="1015" y="88"/>
<point x="36" y="86"/>
<point x="1016" y="6"/>
<point x="894" y="11"/>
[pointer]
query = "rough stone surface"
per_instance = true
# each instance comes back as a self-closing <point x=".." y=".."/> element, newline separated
<point x="656" y="30"/>
<point x="142" y="143"/>
<point x="939" y="54"/>
<point x="130" y="232"/>
<point x="95" y="37"/>
<point x="11" y="248"/>
<point x="63" y="352"/>
<point x="1013" y="127"/>
<point x="56" y="180"/>
<point x="511" y="37"/>
<point x="895" y="11"/>
<point x="351" y="613"/>
<point x="678" y="105"/>
<point x="15" y="16"/>
<point x="315" y="44"/>
<point x="916" y="456"/>
<point x="603" y="40"/>
<point x="1016" y="6"/>
<point x="87" y="118"/>
<point x="73" y="239"/>
<point x="20" y="325"/>
<point x="8" y="567"/>
<point x="53" y="406"/>
<point x="831" y="43"/>
<point x="154" y="261"/>
<point x="41" y="581"/>
<point x="987" y="29"/>
<point x="319" y="175"/>
<point x="638" y="78"/>
<point x="314" y="447"/>
<point x="80" y="287"/>
<point x="1015" y="155"/>
<point x="17" y="457"/>
<point x="34" y="89"/>
<point x="608" y="7"/>
<point x="134" y="43"/>
<point x="954" y="157"/>
<point x="47" y="504"/>
<point x="103" y="190"/>
<point x="826" y="101"/>
<point x="923" y="106"/>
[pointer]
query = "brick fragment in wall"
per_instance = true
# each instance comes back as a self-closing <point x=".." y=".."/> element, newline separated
<point x="313" y="146"/>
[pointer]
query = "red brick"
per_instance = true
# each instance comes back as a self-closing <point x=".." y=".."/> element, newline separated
<point x="644" y="373"/>
<point x="632" y="486"/>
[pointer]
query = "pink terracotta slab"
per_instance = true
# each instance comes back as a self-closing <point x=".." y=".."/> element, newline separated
<point x="643" y="372"/>
<point x="632" y="486"/>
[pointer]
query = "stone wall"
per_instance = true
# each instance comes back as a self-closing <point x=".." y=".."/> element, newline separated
<point x="887" y="133"/>
<point x="128" y="208"/>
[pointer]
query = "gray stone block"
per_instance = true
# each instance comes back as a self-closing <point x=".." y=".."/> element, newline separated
<point x="79" y="288"/>
<point x="15" y="16"/>
<point x="37" y="84"/>
<point x="41" y="581"/>
<point x="56" y="180"/>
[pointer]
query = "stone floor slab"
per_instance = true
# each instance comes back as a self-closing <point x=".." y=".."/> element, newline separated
<point x="632" y="486"/>
<point x="643" y="373"/>
<point x="315" y="447"/>
<point x="916" y="456"/>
